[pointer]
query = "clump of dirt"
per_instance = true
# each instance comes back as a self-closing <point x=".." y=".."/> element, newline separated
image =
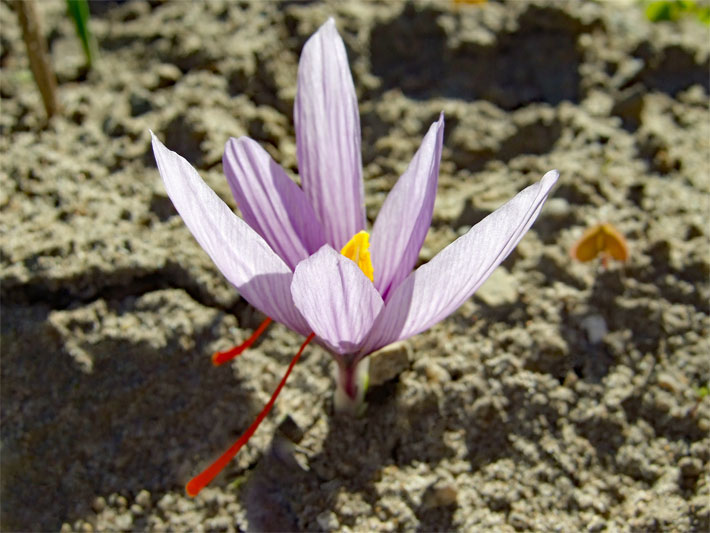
<point x="562" y="396"/>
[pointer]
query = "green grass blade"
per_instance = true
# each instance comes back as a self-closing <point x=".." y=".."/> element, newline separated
<point x="79" y="12"/>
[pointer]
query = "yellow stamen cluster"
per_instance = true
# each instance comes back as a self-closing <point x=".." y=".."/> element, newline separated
<point x="358" y="250"/>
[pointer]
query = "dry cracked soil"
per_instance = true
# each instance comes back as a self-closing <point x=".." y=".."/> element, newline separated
<point x="562" y="397"/>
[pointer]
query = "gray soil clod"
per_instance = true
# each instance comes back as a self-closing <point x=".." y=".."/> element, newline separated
<point x="564" y="397"/>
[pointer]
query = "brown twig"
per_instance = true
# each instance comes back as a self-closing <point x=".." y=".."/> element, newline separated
<point x="37" y="53"/>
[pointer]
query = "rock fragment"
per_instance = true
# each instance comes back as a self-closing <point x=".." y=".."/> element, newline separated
<point x="389" y="362"/>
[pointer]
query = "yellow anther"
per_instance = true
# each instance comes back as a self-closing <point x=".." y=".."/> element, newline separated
<point x="358" y="249"/>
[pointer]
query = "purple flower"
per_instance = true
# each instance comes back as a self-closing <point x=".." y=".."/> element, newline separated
<point x="285" y="256"/>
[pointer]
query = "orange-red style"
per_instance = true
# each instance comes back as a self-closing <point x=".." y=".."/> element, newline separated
<point x="196" y="484"/>
<point x="219" y="358"/>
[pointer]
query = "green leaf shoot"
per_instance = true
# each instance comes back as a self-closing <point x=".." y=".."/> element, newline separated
<point x="79" y="12"/>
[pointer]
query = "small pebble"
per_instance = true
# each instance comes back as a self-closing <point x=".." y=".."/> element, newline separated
<point x="219" y="523"/>
<point x="519" y="521"/>
<point x="690" y="467"/>
<point x="99" y="504"/>
<point x="124" y="522"/>
<point x="441" y="494"/>
<point x="167" y="75"/>
<point x="570" y="379"/>
<point x="121" y="502"/>
<point x="389" y="362"/>
<point x="668" y="382"/>
<point x="328" y="521"/>
<point x="284" y="450"/>
<point x="291" y="430"/>
<point x="596" y="524"/>
<point x="436" y="373"/>
<point x="595" y="327"/>
<point x="167" y="502"/>
<point x="557" y="207"/>
<point x="143" y="499"/>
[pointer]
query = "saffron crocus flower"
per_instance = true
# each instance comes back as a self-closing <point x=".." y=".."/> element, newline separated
<point x="301" y="255"/>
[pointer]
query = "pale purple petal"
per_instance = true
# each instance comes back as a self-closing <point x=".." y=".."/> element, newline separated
<point x="270" y="202"/>
<point x="405" y="217"/>
<point x="438" y="288"/>
<point x="262" y="278"/>
<point x="337" y="300"/>
<point x="328" y="136"/>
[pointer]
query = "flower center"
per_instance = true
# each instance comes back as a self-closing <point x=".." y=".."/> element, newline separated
<point x="358" y="250"/>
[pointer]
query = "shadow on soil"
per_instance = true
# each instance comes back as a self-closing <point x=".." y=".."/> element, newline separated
<point x="411" y="53"/>
<point x="130" y="424"/>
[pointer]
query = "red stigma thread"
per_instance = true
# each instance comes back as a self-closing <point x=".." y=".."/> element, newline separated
<point x="199" y="482"/>
<point x="219" y="358"/>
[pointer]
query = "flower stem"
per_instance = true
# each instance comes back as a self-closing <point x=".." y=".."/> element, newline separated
<point x="352" y="382"/>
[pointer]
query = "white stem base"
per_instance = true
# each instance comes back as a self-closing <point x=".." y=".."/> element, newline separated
<point x="351" y="386"/>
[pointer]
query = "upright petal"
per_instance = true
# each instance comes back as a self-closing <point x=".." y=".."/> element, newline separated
<point x="262" y="278"/>
<point x="405" y="217"/>
<point x="328" y="136"/>
<point x="273" y="205"/>
<point x="337" y="300"/>
<point x="438" y="288"/>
